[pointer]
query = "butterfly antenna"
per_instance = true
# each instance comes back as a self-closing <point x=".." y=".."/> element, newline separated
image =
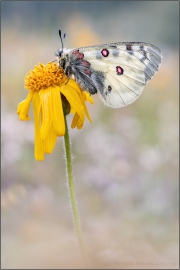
<point x="64" y="38"/>
<point x="61" y="38"/>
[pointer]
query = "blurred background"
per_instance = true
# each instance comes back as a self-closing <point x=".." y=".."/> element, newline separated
<point x="125" y="162"/>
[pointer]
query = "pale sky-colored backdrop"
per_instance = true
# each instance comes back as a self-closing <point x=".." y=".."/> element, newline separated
<point x="125" y="162"/>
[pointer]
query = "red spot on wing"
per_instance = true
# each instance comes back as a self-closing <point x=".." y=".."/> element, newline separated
<point x="119" y="70"/>
<point x="80" y="56"/>
<point x="75" y="52"/>
<point x="86" y="64"/>
<point x="87" y="72"/>
<point x="105" y="52"/>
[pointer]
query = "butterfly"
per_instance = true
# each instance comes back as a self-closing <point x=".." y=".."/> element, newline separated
<point x="117" y="71"/>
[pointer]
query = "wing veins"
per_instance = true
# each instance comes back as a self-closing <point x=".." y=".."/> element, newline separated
<point x="130" y="77"/>
<point x="149" y="68"/>
<point x="118" y="63"/>
<point x="156" y="67"/>
<point x="116" y="90"/>
<point x="123" y="83"/>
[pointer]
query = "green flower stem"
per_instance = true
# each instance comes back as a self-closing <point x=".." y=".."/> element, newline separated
<point x="67" y="150"/>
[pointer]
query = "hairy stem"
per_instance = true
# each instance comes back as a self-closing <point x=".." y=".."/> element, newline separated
<point x="67" y="150"/>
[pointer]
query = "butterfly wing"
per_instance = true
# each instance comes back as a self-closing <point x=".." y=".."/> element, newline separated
<point x="117" y="71"/>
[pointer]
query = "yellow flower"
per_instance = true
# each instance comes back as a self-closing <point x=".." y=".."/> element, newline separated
<point x="53" y="95"/>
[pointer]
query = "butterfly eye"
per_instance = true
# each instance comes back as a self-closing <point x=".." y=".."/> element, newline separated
<point x="58" y="53"/>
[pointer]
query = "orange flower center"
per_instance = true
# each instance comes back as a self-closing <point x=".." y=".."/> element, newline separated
<point x="44" y="76"/>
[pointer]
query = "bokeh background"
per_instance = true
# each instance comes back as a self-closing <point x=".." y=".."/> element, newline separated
<point x="125" y="162"/>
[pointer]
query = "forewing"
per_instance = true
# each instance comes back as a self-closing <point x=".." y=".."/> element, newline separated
<point x="125" y="69"/>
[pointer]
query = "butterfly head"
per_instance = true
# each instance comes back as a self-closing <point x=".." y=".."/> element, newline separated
<point x="59" y="53"/>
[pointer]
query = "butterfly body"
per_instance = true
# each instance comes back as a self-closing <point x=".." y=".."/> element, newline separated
<point x="118" y="71"/>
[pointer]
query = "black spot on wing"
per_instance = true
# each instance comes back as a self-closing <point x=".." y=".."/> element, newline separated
<point x="131" y="52"/>
<point x="128" y="47"/>
<point x="141" y="48"/>
<point x="113" y="46"/>
<point x="98" y="55"/>
<point x="109" y="88"/>
<point x="115" y="53"/>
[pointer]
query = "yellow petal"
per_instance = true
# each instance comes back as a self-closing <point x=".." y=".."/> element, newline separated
<point x="46" y="101"/>
<point x="72" y="83"/>
<point x="50" y="141"/>
<point x="80" y="124"/>
<point x="87" y="97"/>
<point x="46" y="145"/>
<point x="86" y="111"/>
<point x="74" y="100"/>
<point x="58" y="115"/>
<point x="38" y="148"/>
<point x="75" y="120"/>
<point x="23" y="107"/>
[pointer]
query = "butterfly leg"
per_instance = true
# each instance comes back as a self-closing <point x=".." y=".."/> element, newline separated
<point x="67" y="81"/>
<point x="68" y="71"/>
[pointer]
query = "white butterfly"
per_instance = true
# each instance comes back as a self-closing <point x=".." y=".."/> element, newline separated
<point x="117" y="71"/>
